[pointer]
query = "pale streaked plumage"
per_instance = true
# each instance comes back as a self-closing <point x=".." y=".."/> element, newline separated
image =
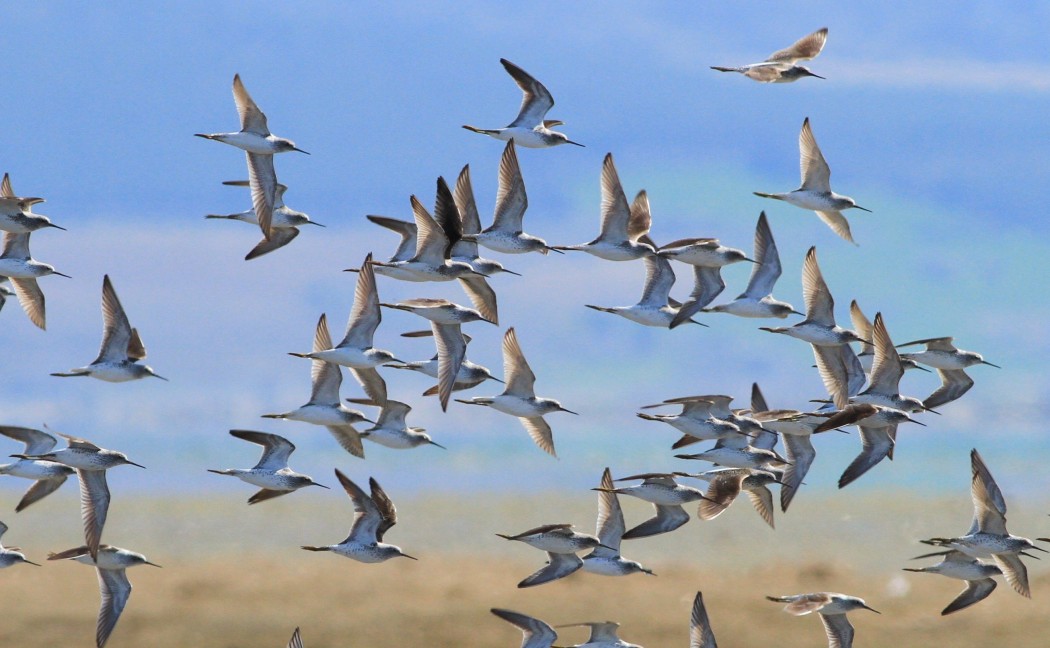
<point x="615" y="241"/>
<point x="955" y="564"/>
<point x="655" y="307"/>
<point x="271" y="473"/>
<point x="780" y="66"/>
<point x="529" y="128"/>
<point x="815" y="192"/>
<point x="519" y="398"/>
<point x="284" y="222"/>
<point x="122" y="348"/>
<point x="832" y="607"/>
<point x="373" y="516"/>
<point x="757" y="299"/>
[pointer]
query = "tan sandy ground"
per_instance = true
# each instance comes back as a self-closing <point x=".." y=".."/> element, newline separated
<point x="220" y="589"/>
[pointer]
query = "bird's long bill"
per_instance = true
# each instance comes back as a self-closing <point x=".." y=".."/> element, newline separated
<point x="61" y="275"/>
<point x="438" y="445"/>
<point x="568" y="141"/>
<point x="300" y="150"/>
<point x="872" y="609"/>
<point x="990" y="364"/>
<point x="132" y="463"/>
<point x="562" y="409"/>
<point x="152" y="563"/>
<point x="862" y="208"/>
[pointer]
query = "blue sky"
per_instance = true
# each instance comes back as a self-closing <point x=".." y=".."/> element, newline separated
<point x="932" y="115"/>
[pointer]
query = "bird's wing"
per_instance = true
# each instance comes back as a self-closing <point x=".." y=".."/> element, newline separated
<point x="367" y="516"/>
<point x="610" y="523"/>
<point x="559" y="565"/>
<point x="839" y="629"/>
<point x="116" y="330"/>
<point x="519" y="377"/>
<point x="31" y="298"/>
<point x="765" y="274"/>
<point x="279" y="237"/>
<point x="94" y="504"/>
<point x="252" y="119"/>
<point x="954" y="383"/>
<point x="263" y="181"/>
<point x="39" y="490"/>
<point x="700" y="633"/>
<point x="451" y="350"/>
<point x="535" y="100"/>
<point x="385" y="506"/>
<point x="799" y="452"/>
<point x="876" y="444"/>
<point x="511" y="200"/>
<point x="616" y="213"/>
<point x="365" y="314"/>
<point x="820" y="306"/>
<point x="803" y="49"/>
<point x="540" y="432"/>
<point x="816" y="175"/>
<point x="115" y="588"/>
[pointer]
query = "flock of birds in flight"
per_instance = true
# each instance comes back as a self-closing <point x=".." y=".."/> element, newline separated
<point x="863" y="389"/>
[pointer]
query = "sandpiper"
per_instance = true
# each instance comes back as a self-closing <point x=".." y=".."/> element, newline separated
<point x="956" y="564"/>
<point x="988" y="537"/>
<point x="271" y="473"/>
<point x="373" y="517"/>
<point x="707" y="284"/>
<point x="726" y="484"/>
<point x="615" y="240"/>
<point x="469" y="374"/>
<point x="466" y="250"/>
<point x="534" y="633"/>
<point x="949" y="362"/>
<point x="757" y="299"/>
<point x="441" y="311"/>
<point x="603" y="635"/>
<point x="737" y="452"/>
<point x="16" y="212"/>
<point x="505" y="234"/>
<point x="11" y="556"/>
<point x="878" y="435"/>
<point x="666" y="495"/>
<point x="259" y="146"/>
<point x="122" y="348"/>
<point x="356" y="349"/>
<point x="819" y="327"/>
<point x="560" y="543"/>
<point x="555" y="538"/>
<point x="49" y="475"/>
<point x="324" y="407"/>
<point x="91" y="463"/>
<point x="700" y="633"/>
<point x="780" y="66"/>
<point x="606" y="559"/>
<point x="18" y="265"/>
<point x="815" y="192"/>
<point x="284" y="222"/>
<point x="832" y="607"/>
<point x="695" y="421"/>
<point x="654" y="308"/>
<point x="111" y="564"/>
<point x="529" y="128"/>
<point x="451" y="352"/>
<point x="391" y="430"/>
<point x="519" y="398"/>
